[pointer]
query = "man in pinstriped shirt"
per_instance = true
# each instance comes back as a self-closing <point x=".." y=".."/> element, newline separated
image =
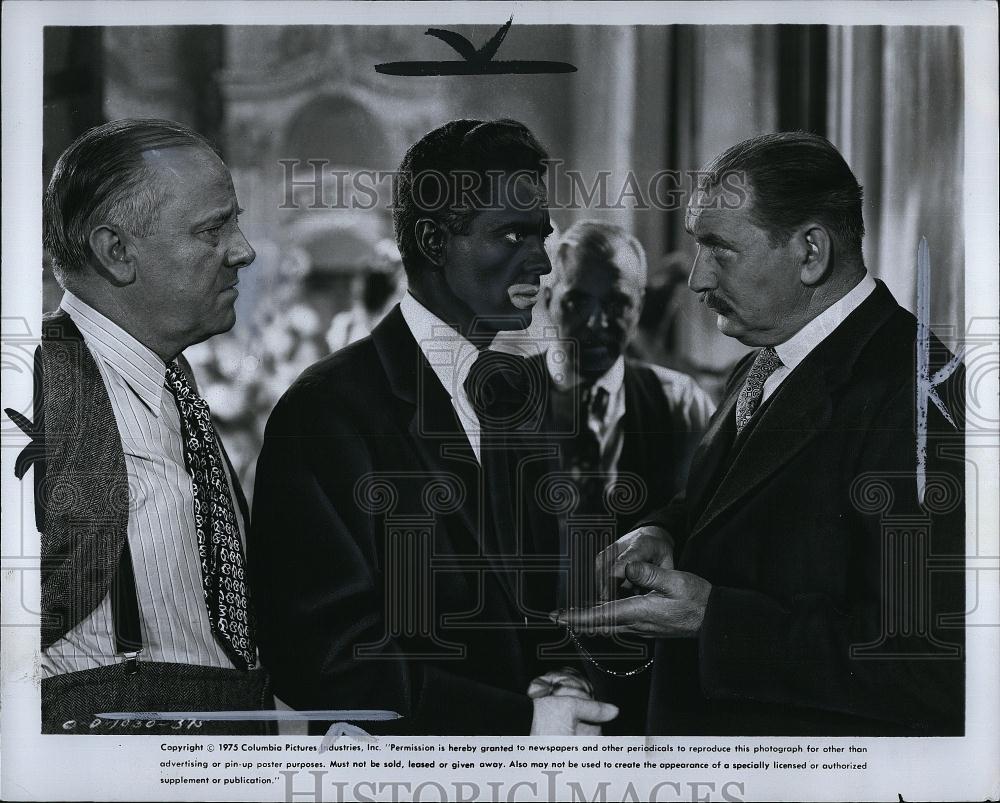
<point x="143" y="605"/>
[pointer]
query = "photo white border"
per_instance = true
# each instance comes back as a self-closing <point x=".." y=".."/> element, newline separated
<point x="73" y="768"/>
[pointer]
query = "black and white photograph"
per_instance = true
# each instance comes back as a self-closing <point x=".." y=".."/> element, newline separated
<point x="489" y="401"/>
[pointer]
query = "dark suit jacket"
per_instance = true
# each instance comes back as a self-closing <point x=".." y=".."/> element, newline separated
<point x="837" y="597"/>
<point x="380" y="583"/>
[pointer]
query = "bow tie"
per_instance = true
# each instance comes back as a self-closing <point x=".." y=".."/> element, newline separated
<point x="502" y="388"/>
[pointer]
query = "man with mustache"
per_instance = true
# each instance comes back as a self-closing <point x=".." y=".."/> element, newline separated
<point x="626" y="431"/>
<point x="383" y="536"/>
<point x="808" y="581"/>
<point x="145" y="602"/>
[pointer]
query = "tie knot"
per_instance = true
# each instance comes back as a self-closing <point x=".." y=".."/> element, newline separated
<point x="595" y="402"/>
<point x="766" y="362"/>
<point x="178" y="382"/>
<point x="499" y="387"/>
<point x="187" y="399"/>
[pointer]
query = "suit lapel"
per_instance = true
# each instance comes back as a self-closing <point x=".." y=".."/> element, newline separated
<point x="430" y="419"/>
<point x="801" y="407"/>
<point x="713" y="449"/>
<point x="438" y="435"/>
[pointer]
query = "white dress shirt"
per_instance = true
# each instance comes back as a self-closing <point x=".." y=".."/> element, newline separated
<point x="161" y="530"/>
<point x="691" y="406"/>
<point x="798" y="346"/>
<point x="451" y="356"/>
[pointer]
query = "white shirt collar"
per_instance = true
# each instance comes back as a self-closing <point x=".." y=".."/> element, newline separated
<point x="798" y="346"/>
<point x="139" y="366"/>
<point x="449" y="353"/>
<point x="556" y="360"/>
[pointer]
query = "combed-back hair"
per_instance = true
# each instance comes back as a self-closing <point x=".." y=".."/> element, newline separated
<point x="101" y="178"/>
<point x="597" y="240"/>
<point x="795" y="177"/>
<point x="452" y="172"/>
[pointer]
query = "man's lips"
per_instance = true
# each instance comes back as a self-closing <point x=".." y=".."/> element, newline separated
<point x="523" y="295"/>
<point x="717" y="305"/>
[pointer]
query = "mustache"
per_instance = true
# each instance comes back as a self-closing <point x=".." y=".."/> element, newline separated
<point x="716" y="304"/>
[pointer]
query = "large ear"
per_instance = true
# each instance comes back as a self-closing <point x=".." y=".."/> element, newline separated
<point x="432" y="240"/>
<point x="114" y="254"/>
<point x="817" y="254"/>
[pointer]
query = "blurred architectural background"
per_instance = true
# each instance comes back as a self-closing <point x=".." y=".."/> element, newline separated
<point x="643" y="99"/>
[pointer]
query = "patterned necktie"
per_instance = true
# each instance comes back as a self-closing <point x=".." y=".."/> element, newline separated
<point x="219" y="548"/>
<point x="765" y="363"/>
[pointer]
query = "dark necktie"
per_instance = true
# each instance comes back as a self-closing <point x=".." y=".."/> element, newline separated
<point x="765" y="363"/>
<point x="223" y="570"/>
<point x="495" y="386"/>
<point x="582" y="455"/>
<point x="583" y="529"/>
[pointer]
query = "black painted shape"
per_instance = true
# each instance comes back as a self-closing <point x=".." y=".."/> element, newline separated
<point x="476" y="62"/>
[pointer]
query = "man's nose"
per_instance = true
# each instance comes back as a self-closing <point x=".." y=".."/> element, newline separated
<point x="702" y="276"/>
<point x="597" y="318"/>
<point x="539" y="263"/>
<point x="240" y="254"/>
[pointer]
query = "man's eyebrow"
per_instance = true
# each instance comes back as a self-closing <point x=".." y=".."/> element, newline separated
<point x="516" y="221"/>
<point x="219" y="215"/>
<point x="710" y="239"/>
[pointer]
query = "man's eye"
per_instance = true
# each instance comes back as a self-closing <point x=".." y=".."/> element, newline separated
<point x="514" y="237"/>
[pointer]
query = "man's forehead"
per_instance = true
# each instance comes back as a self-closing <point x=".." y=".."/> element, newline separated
<point x="705" y="198"/>
<point x="184" y="160"/>
<point x="196" y="184"/>
<point x="521" y="192"/>
<point x="621" y="266"/>
<point x="514" y="201"/>
<point x="710" y="210"/>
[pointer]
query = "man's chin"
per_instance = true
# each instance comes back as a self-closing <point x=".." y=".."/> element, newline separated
<point x="595" y="362"/>
<point x="727" y="326"/>
<point x="512" y="321"/>
<point x="745" y="336"/>
<point x="223" y="322"/>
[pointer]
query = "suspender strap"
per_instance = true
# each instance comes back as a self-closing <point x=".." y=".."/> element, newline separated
<point x="125" y="612"/>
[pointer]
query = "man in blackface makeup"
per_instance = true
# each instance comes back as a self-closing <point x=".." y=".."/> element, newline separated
<point x="145" y="601"/>
<point x="809" y="581"/>
<point x="383" y="536"/>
